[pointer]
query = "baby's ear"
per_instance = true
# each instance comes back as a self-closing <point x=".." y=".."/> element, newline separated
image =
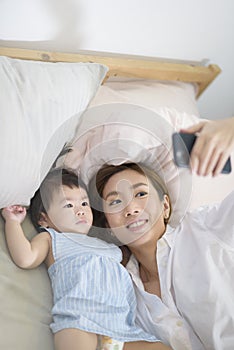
<point x="43" y="220"/>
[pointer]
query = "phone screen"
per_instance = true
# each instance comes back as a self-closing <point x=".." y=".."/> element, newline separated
<point x="182" y="147"/>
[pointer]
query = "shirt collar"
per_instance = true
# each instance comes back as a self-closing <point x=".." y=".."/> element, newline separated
<point x="169" y="236"/>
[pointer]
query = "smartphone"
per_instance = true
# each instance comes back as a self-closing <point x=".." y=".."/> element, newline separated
<point x="182" y="147"/>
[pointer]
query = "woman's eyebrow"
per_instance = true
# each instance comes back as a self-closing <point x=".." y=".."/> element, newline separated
<point x="139" y="184"/>
<point x="115" y="193"/>
<point x="112" y="193"/>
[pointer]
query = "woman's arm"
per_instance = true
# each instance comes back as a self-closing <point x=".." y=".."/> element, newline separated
<point x="213" y="146"/>
<point x="25" y="254"/>
<point x="140" y="345"/>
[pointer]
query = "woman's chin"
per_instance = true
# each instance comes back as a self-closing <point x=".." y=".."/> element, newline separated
<point x="129" y="237"/>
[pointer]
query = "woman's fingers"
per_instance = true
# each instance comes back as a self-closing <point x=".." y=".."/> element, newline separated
<point x="195" y="128"/>
<point x="213" y="146"/>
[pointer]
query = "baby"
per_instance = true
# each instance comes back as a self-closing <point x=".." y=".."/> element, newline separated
<point x="93" y="293"/>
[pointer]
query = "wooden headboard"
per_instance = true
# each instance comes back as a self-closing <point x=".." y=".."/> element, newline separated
<point x="128" y="66"/>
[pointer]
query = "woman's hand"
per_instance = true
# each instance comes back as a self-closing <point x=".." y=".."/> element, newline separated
<point x="15" y="213"/>
<point x="213" y="146"/>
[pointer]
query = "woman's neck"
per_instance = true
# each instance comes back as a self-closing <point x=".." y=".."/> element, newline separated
<point x="146" y="256"/>
<point x="148" y="268"/>
<point x="145" y="252"/>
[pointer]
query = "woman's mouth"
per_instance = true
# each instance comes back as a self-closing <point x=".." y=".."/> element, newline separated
<point x="136" y="225"/>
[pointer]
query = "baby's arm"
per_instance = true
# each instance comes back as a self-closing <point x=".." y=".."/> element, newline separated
<point x="25" y="254"/>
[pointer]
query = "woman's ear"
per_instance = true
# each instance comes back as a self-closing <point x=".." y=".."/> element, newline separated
<point x="43" y="220"/>
<point x="166" y="207"/>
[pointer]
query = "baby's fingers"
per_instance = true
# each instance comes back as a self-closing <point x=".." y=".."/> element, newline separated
<point x="15" y="209"/>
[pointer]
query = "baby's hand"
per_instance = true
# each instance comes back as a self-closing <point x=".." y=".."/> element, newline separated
<point x="15" y="213"/>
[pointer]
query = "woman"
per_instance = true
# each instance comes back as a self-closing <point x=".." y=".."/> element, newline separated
<point x="183" y="276"/>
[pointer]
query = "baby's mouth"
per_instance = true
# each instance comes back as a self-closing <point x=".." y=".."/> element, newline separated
<point x="83" y="221"/>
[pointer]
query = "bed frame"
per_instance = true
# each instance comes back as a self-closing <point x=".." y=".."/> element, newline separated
<point x="128" y="66"/>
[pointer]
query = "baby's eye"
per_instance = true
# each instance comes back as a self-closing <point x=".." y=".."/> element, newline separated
<point x="141" y="194"/>
<point x="68" y="205"/>
<point x="115" y="201"/>
<point x="84" y="204"/>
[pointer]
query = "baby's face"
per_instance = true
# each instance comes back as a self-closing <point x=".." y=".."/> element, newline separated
<point x="70" y="211"/>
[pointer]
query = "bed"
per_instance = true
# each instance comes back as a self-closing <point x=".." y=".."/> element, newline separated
<point x="52" y="100"/>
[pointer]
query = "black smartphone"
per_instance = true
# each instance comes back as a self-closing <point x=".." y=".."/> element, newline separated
<point x="182" y="147"/>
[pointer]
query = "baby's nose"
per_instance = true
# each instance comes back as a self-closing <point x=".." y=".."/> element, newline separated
<point x="79" y="211"/>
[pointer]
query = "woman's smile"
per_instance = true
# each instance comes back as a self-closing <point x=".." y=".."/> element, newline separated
<point x="137" y="224"/>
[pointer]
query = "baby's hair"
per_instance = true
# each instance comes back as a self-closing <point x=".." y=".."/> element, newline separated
<point x="54" y="180"/>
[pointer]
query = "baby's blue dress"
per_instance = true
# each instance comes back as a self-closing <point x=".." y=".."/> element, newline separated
<point x="92" y="290"/>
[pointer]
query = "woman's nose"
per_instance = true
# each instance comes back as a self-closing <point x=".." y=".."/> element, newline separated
<point x="132" y="212"/>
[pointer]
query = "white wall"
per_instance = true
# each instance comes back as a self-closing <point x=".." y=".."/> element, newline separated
<point x="179" y="29"/>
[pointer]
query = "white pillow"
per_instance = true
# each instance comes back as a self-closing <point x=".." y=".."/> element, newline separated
<point x="40" y="106"/>
<point x="153" y="94"/>
<point x="174" y="101"/>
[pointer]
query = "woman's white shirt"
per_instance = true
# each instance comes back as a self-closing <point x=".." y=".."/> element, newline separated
<point x="196" y="271"/>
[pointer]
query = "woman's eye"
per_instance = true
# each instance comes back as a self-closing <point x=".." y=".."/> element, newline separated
<point x="68" y="205"/>
<point x="115" y="201"/>
<point x="141" y="194"/>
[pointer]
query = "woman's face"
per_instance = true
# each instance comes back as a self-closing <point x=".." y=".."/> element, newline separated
<point x="133" y="209"/>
